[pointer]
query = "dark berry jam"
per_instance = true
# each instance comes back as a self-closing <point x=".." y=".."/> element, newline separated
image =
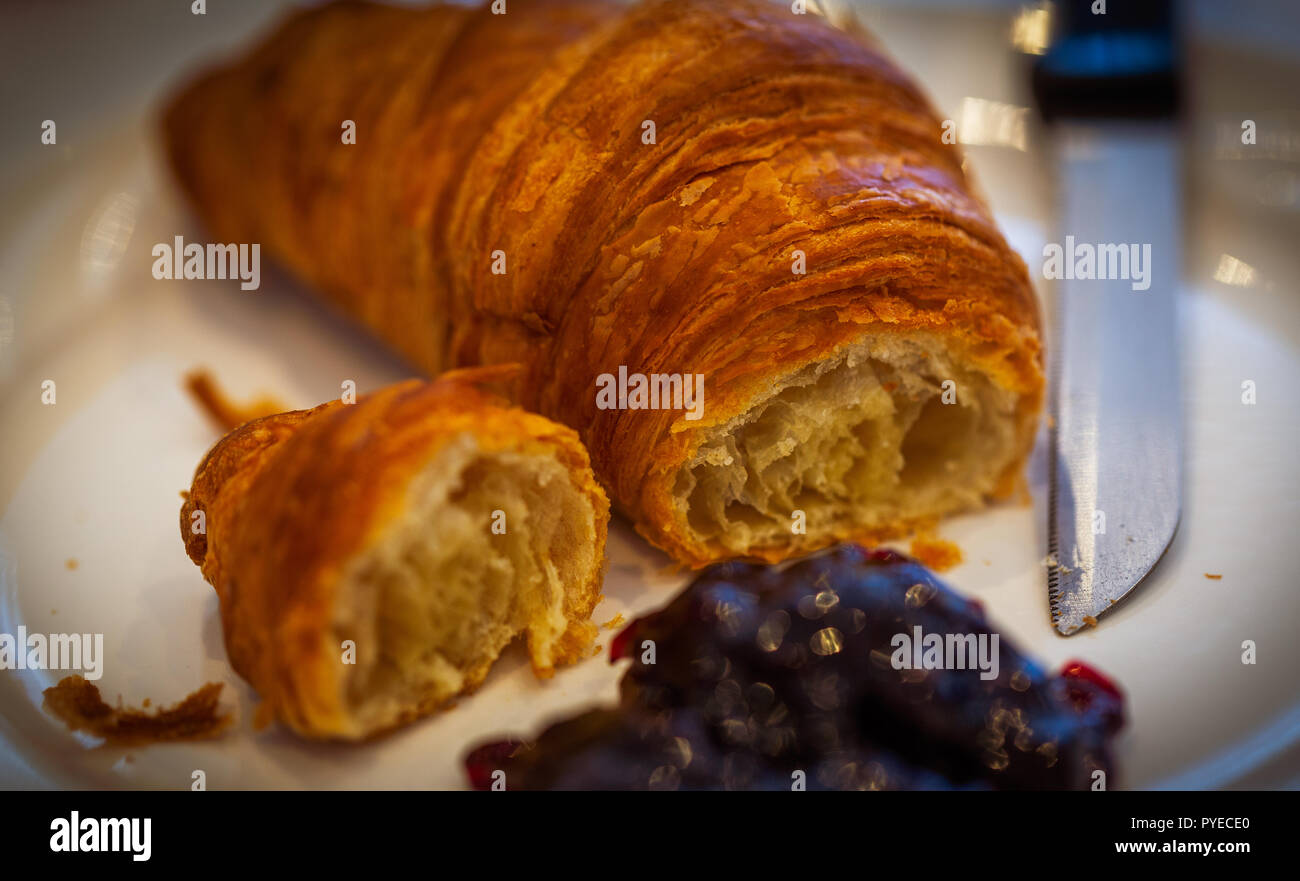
<point x="766" y="677"/>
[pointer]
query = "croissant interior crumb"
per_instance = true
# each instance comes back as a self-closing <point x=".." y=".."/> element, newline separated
<point x="432" y="604"/>
<point x="860" y="441"/>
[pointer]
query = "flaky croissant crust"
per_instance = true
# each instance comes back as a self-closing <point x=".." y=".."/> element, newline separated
<point x="524" y="135"/>
<point x="288" y="500"/>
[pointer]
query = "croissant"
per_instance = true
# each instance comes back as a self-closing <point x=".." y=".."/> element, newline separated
<point x="727" y="242"/>
<point x="373" y="559"/>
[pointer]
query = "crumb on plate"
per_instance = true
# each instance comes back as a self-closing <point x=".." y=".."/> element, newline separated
<point x="213" y="401"/>
<point x="935" y="553"/>
<point x="79" y="705"/>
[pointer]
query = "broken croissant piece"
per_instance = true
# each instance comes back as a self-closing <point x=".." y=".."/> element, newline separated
<point x="421" y="529"/>
<point x="667" y="190"/>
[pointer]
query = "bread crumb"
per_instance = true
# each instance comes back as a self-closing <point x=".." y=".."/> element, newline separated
<point x="213" y="401"/>
<point x="1090" y="621"/>
<point x="613" y="622"/>
<point x="1213" y="577"/>
<point x="1052" y="562"/>
<point x="78" y="704"/>
<point x="935" y="553"/>
<point x="71" y="563"/>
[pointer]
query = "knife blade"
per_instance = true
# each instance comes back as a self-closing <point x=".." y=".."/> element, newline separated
<point x="1116" y="447"/>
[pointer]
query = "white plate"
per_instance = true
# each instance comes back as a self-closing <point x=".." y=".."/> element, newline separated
<point x="96" y="478"/>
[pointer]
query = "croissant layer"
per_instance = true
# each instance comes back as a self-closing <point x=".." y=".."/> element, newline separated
<point x="373" y="559"/>
<point x="675" y="190"/>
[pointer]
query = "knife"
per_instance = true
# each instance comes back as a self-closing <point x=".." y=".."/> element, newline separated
<point x="1108" y="89"/>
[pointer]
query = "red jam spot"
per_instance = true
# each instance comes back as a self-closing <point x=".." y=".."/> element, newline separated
<point x="621" y="646"/>
<point x="885" y="555"/>
<point x="1081" y="671"/>
<point x="483" y="761"/>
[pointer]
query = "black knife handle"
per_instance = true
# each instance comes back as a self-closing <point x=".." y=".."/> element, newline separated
<point x="1120" y="64"/>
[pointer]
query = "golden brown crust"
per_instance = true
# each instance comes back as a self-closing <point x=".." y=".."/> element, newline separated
<point x="289" y="499"/>
<point x="522" y="133"/>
